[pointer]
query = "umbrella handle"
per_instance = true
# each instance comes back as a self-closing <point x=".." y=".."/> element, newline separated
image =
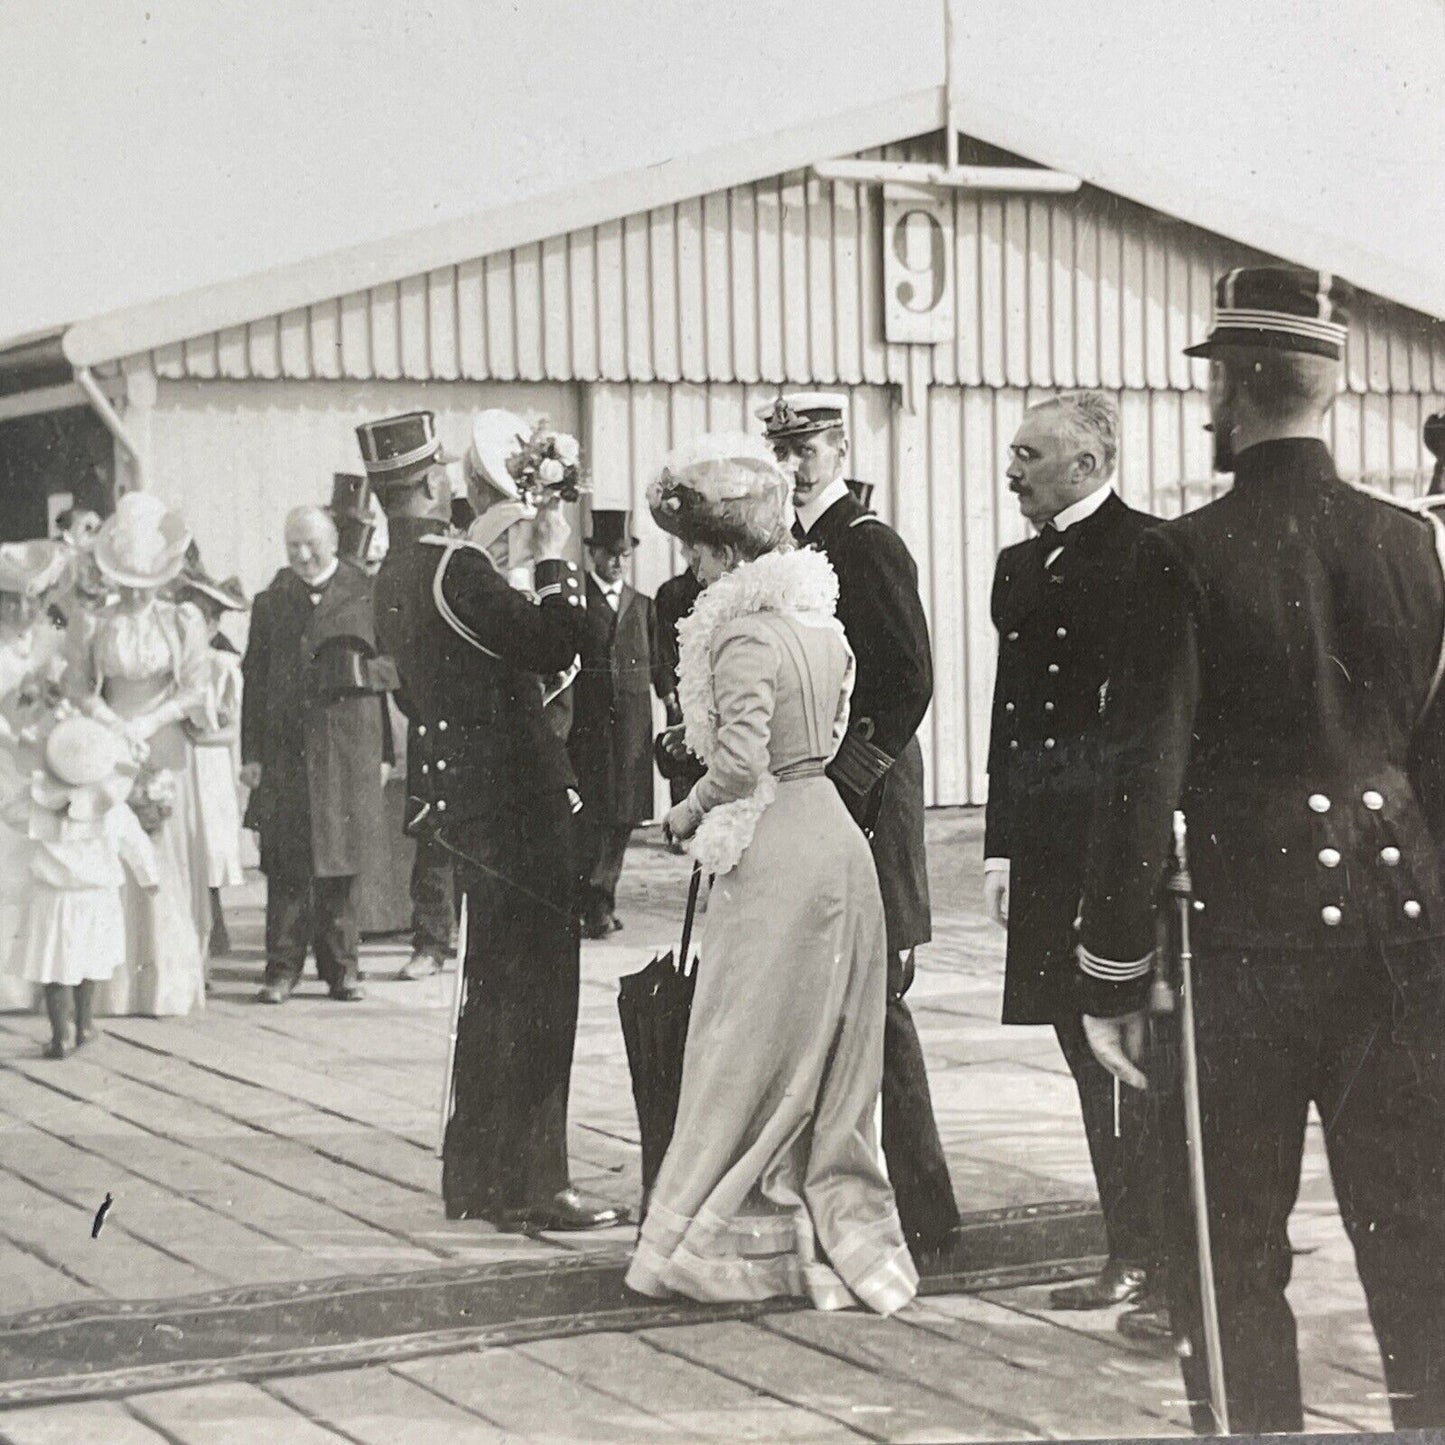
<point x="692" y="891"/>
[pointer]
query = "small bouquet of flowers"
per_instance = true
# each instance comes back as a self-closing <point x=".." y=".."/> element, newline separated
<point x="152" y="796"/>
<point x="546" y="466"/>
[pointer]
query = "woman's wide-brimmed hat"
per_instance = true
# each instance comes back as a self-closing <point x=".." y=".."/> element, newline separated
<point x="29" y="569"/>
<point x="143" y="543"/>
<point x="87" y="771"/>
<point x="228" y="593"/>
<point x="497" y="436"/>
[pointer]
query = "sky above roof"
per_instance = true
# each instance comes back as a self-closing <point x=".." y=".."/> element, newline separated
<point x="156" y="147"/>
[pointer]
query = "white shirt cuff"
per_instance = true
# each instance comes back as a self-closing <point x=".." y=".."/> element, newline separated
<point x="995" y="865"/>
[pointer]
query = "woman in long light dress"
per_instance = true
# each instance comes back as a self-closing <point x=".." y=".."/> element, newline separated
<point x="31" y="666"/>
<point x="215" y="741"/>
<point x="145" y="672"/>
<point x="774" y="1182"/>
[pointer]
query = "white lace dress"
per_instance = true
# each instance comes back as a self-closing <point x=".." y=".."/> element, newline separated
<point x="135" y="663"/>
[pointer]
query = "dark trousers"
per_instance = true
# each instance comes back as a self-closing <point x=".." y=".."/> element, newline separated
<point x="434" y="899"/>
<point x="314" y="913"/>
<point x="1361" y="1035"/>
<point x="603" y="847"/>
<point x="1123" y="1148"/>
<point x="506" y="1144"/>
<point x="916" y="1163"/>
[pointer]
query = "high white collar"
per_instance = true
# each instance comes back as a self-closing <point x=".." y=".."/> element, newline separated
<point x="814" y="508"/>
<point x="612" y="589"/>
<point x="322" y="578"/>
<point x="1083" y="509"/>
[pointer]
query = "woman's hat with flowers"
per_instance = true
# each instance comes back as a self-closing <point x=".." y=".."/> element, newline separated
<point x="143" y="544"/>
<point x="28" y="569"/>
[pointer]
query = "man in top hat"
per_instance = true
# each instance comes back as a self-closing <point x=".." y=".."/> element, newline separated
<point x="1279" y="686"/>
<point x="610" y="742"/>
<point x="351" y="508"/>
<point x="1057" y="603"/>
<point x="879" y="767"/>
<point x="406" y="472"/>
<point x="490" y="781"/>
<point x="313" y="741"/>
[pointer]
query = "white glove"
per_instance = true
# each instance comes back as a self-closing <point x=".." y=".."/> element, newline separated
<point x="995" y="889"/>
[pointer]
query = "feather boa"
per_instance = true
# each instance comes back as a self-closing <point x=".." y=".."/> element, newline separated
<point x="789" y="582"/>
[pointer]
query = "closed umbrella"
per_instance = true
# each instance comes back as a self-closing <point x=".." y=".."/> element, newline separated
<point x="654" y="1005"/>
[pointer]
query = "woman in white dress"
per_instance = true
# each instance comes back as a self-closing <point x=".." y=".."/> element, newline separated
<point x="144" y="671"/>
<point x="215" y="737"/>
<point x="31" y="667"/>
<point x="774" y="1182"/>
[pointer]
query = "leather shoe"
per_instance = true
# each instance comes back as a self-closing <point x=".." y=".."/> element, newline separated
<point x="420" y="965"/>
<point x="348" y="993"/>
<point x="563" y="1211"/>
<point x="273" y="993"/>
<point x="1116" y="1284"/>
<point x="1147" y="1324"/>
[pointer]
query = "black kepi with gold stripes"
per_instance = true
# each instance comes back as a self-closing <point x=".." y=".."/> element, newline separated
<point x="1284" y="308"/>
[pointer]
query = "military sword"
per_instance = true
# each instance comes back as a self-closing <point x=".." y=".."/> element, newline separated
<point x="449" y="1086"/>
<point x="1181" y="889"/>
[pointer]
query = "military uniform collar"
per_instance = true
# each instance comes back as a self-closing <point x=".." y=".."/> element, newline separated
<point x="412" y="529"/>
<point x="810" y="515"/>
<point x="1286" y="459"/>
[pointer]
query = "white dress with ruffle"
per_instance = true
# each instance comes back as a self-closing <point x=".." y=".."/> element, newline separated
<point x="136" y="662"/>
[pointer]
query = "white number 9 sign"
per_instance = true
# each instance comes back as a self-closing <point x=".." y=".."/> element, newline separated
<point x="917" y="266"/>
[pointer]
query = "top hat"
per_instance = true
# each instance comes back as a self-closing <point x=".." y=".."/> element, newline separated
<point x="142" y="543"/>
<point x="350" y="497"/>
<point x="1434" y="434"/>
<point x="30" y="568"/>
<point x="610" y="528"/>
<point x="801" y="413"/>
<point x="395" y="448"/>
<point x="1284" y="308"/>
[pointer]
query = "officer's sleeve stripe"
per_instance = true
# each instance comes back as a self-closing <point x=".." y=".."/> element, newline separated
<point x="551" y="591"/>
<point x="444" y="608"/>
<point x="1109" y="970"/>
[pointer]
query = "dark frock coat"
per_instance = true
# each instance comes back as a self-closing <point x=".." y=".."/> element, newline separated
<point x="313" y="715"/>
<point x="491" y="782"/>
<point x="882" y="615"/>
<point x="610" y="741"/>
<point x="1057" y="634"/>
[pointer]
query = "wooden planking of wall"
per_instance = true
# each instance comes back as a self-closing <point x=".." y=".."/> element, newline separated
<point x="779" y="281"/>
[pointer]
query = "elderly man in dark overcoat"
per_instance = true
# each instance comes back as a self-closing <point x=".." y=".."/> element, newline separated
<point x="1280" y="688"/>
<point x="610" y="742"/>
<point x="1058" y="605"/>
<point x="879" y="768"/>
<point x="313" y="744"/>
<point x="485" y="629"/>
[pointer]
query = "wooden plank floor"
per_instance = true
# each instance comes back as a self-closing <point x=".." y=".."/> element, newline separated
<point x="249" y="1145"/>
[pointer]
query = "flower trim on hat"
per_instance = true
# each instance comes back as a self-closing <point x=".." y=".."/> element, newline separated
<point x="788" y="582"/>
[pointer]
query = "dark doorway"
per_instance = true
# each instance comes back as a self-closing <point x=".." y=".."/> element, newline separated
<point x="54" y="452"/>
